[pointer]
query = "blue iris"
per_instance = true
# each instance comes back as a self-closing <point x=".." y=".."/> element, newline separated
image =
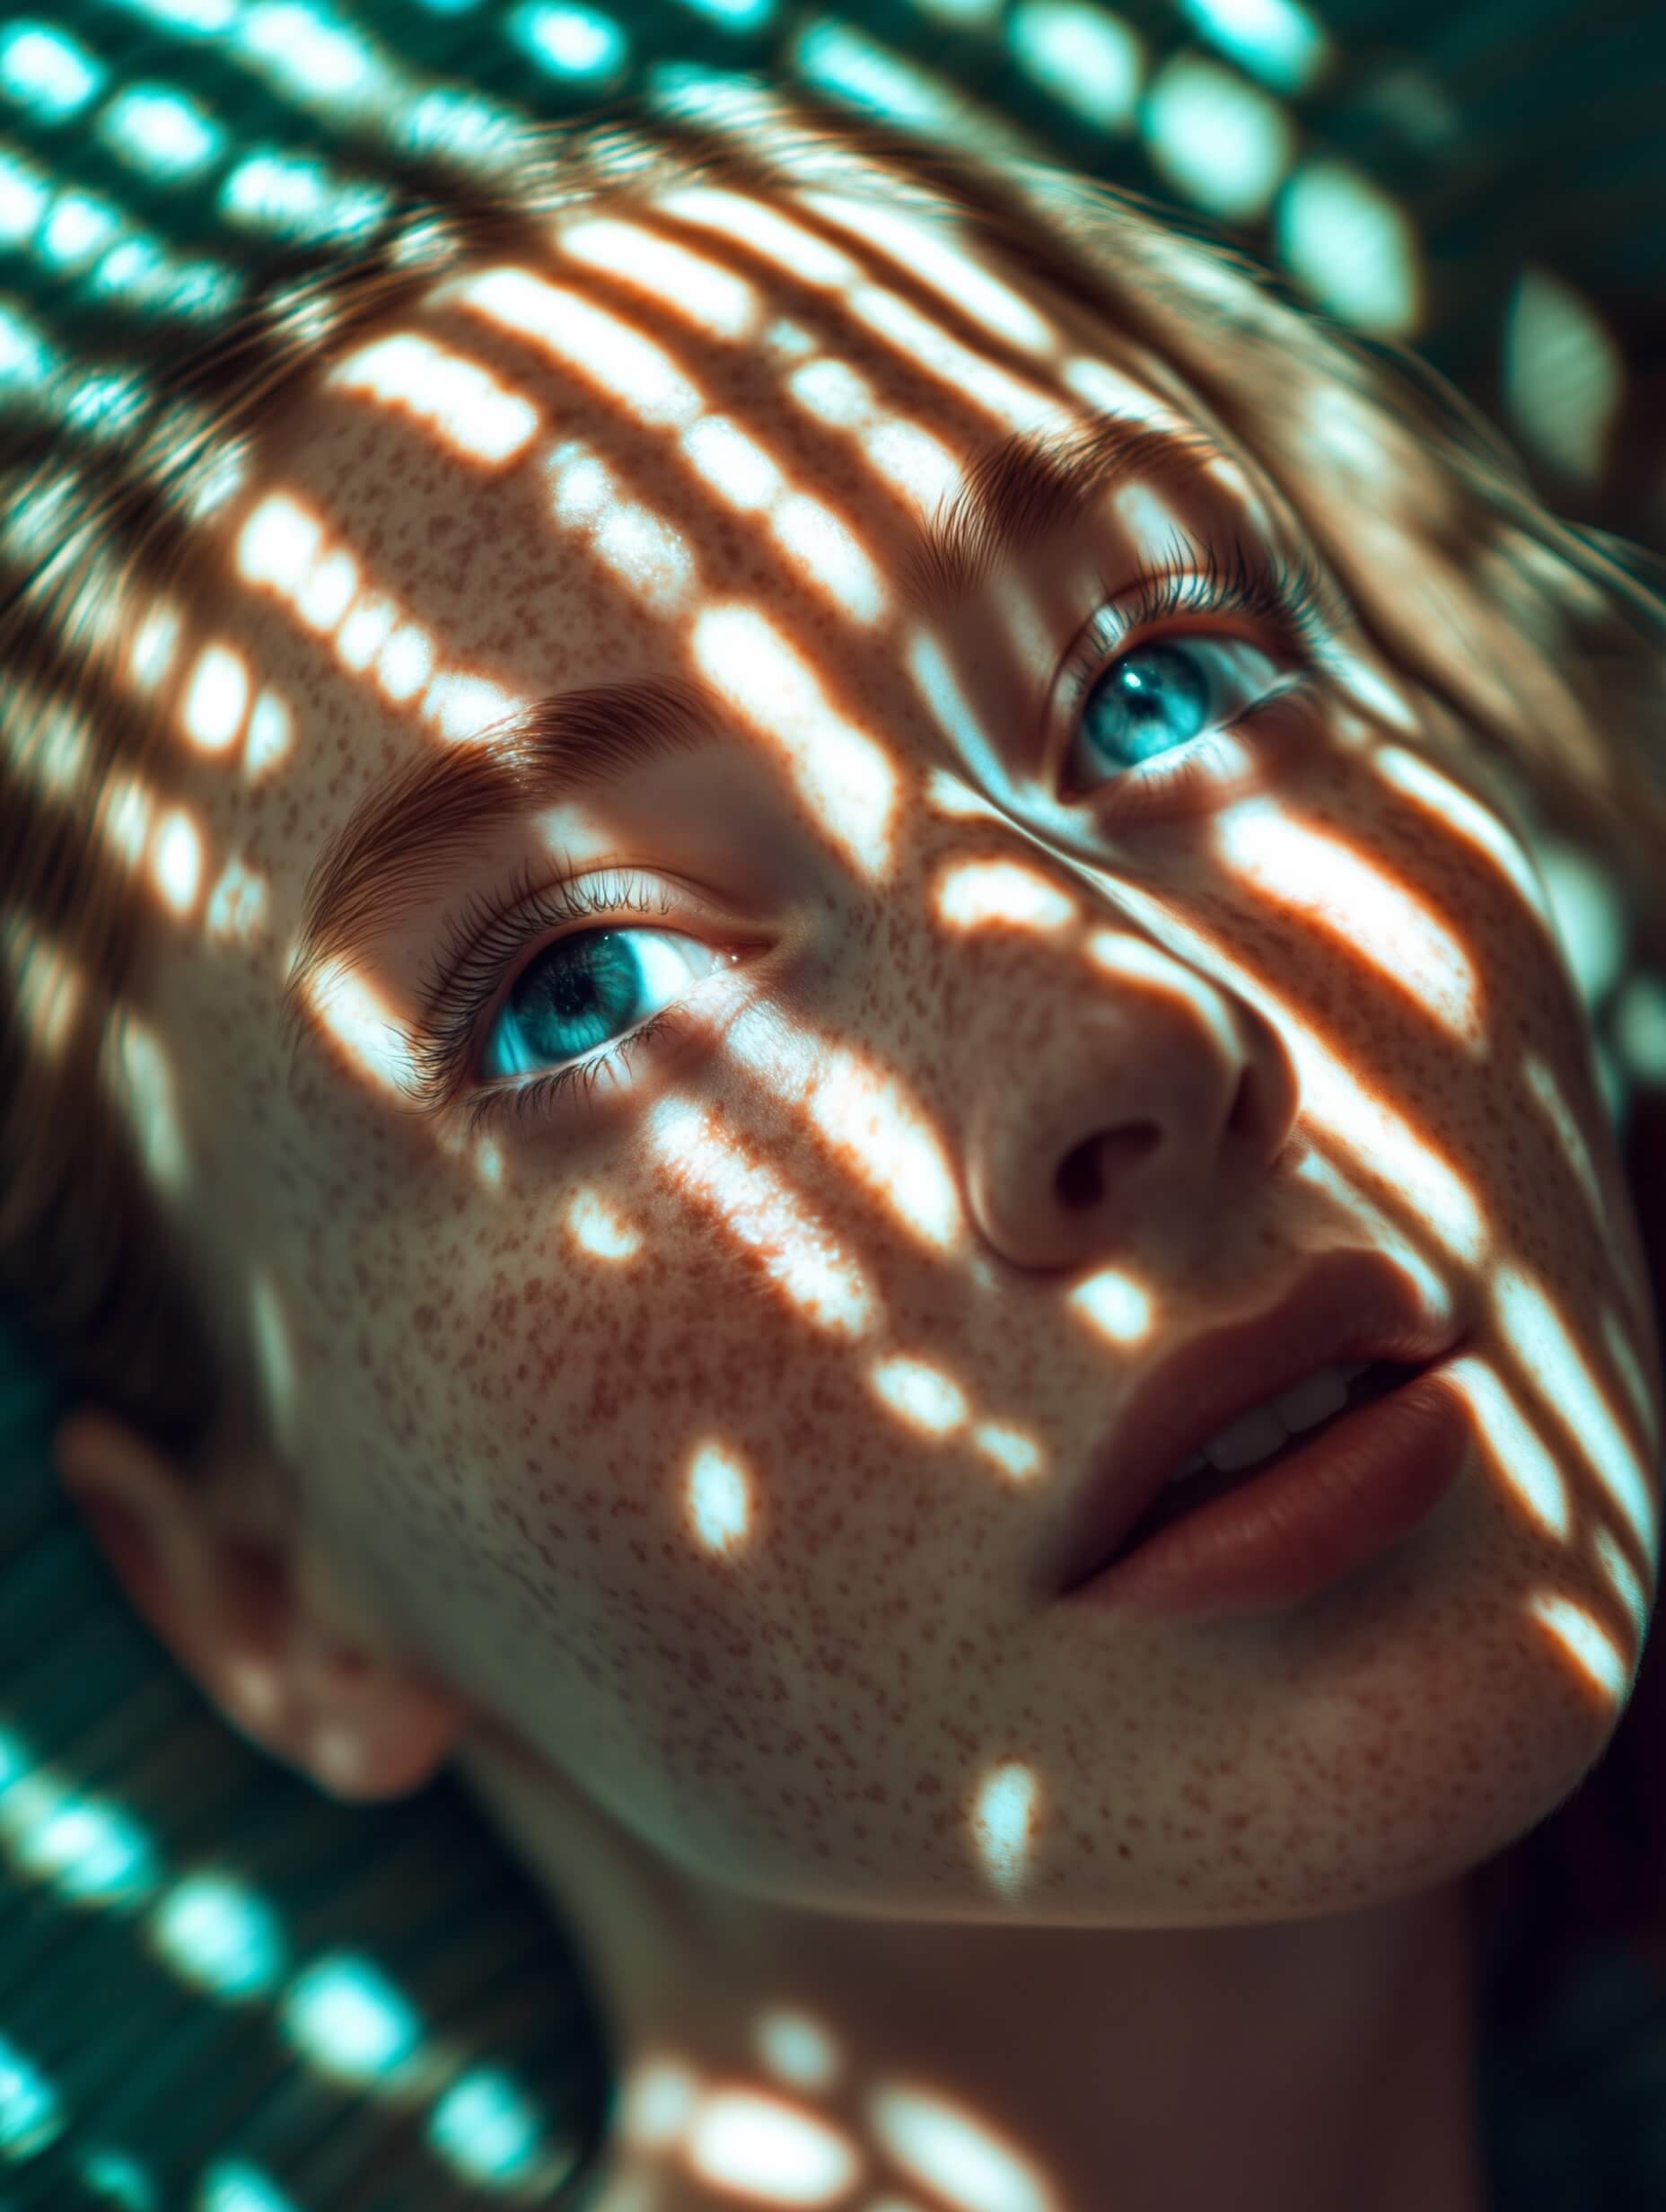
<point x="579" y="994"/>
<point x="1150" y="686"/>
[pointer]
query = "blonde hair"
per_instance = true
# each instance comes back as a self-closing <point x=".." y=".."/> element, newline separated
<point x="1547" y="639"/>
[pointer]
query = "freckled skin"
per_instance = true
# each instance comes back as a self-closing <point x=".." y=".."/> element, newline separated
<point x="750" y="1777"/>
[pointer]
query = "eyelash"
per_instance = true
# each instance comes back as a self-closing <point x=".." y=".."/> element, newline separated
<point x="1290" y="598"/>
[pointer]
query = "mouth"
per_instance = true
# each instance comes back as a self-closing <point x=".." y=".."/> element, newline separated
<point x="1184" y="1494"/>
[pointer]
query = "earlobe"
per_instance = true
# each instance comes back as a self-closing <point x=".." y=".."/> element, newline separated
<point x="394" y="1744"/>
<point x="228" y="1606"/>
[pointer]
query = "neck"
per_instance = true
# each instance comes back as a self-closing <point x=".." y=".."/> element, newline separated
<point x="1281" y="2068"/>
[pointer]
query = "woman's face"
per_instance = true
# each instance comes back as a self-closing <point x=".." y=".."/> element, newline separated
<point x="716" y="1423"/>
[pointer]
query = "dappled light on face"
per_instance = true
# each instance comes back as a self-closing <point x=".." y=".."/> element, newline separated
<point x="237" y="910"/>
<point x="976" y="891"/>
<point x="843" y="773"/>
<point x="762" y="1213"/>
<point x="1562" y="1379"/>
<point x="597" y="1231"/>
<point x="1340" y="892"/>
<point x="773" y="2147"/>
<point x="739" y="471"/>
<point x="468" y="408"/>
<point x="215" y="706"/>
<point x="713" y="300"/>
<point x="760" y="2147"/>
<point x="873" y="1128"/>
<point x="904" y="455"/>
<point x="594" y="346"/>
<point x="365" y="1027"/>
<point x="794" y="250"/>
<point x="923" y="1397"/>
<point x="284" y="548"/>
<point x="1366" y="1130"/>
<point x="1016" y="405"/>
<point x="633" y="543"/>
<point x="177" y="860"/>
<point x="931" y="260"/>
<point x="149" y="1089"/>
<point x="1458" y="814"/>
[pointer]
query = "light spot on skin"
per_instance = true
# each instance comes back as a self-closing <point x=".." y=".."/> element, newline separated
<point x="931" y="259"/>
<point x="1013" y="403"/>
<point x="216" y="700"/>
<point x="644" y="551"/>
<point x="589" y="342"/>
<point x="155" y="641"/>
<point x="718" y="1491"/>
<point x="747" y="2144"/>
<point x="151" y="1106"/>
<point x="759" y="1211"/>
<point x="845" y="775"/>
<point x="239" y="906"/>
<point x="1005" y="1448"/>
<point x="795" y="250"/>
<point x="712" y="299"/>
<point x="1004" y="1823"/>
<point x="365" y="1026"/>
<point x="1119" y="1309"/>
<point x="978" y="892"/>
<point x="474" y="413"/>
<point x="368" y="626"/>
<point x="921" y="1394"/>
<point x="1531" y="1323"/>
<point x="1313" y="874"/>
<point x="177" y="860"/>
<point x="597" y="1231"/>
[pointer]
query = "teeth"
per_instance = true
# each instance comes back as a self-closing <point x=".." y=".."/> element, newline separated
<point x="1257" y="1434"/>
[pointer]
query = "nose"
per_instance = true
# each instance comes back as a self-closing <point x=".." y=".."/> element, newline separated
<point x="1154" y="1103"/>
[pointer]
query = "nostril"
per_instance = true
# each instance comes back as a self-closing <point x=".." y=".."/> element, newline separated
<point x="1080" y="1181"/>
<point x="1079" y="1178"/>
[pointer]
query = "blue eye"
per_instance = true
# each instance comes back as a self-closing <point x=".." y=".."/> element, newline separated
<point x="1166" y="692"/>
<point x="576" y="994"/>
<point x="580" y="992"/>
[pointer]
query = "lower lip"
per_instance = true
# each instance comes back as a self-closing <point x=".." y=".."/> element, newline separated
<point x="1337" y="1504"/>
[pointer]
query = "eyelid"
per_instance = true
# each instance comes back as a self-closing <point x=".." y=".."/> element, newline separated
<point x="489" y="948"/>
<point x="1292" y="597"/>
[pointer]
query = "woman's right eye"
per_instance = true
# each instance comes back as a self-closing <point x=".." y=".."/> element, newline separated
<point x="592" y="991"/>
<point x="581" y="992"/>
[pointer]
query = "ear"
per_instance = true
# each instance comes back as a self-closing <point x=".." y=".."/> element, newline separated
<point x="240" y="1607"/>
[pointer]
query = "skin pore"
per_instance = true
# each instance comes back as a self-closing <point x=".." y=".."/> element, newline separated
<point x="689" y="1462"/>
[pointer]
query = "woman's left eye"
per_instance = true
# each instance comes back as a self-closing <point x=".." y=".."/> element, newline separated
<point x="1133" y="706"/>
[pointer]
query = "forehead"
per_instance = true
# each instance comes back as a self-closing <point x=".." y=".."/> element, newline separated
<point x="696" y="434"/>
<point x="545" y="462"/>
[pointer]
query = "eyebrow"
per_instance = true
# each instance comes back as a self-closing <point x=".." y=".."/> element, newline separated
<point x="405" y="839"/>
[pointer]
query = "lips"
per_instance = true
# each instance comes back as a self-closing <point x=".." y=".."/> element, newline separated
<point x="1349" y="1305"/>
<point x="1175" y="1499"/>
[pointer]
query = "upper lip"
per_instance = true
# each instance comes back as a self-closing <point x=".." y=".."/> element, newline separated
<point x="1349" y="1305"/>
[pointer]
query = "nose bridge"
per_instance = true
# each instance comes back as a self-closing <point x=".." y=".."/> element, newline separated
<point x="1091" y="1073"/>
